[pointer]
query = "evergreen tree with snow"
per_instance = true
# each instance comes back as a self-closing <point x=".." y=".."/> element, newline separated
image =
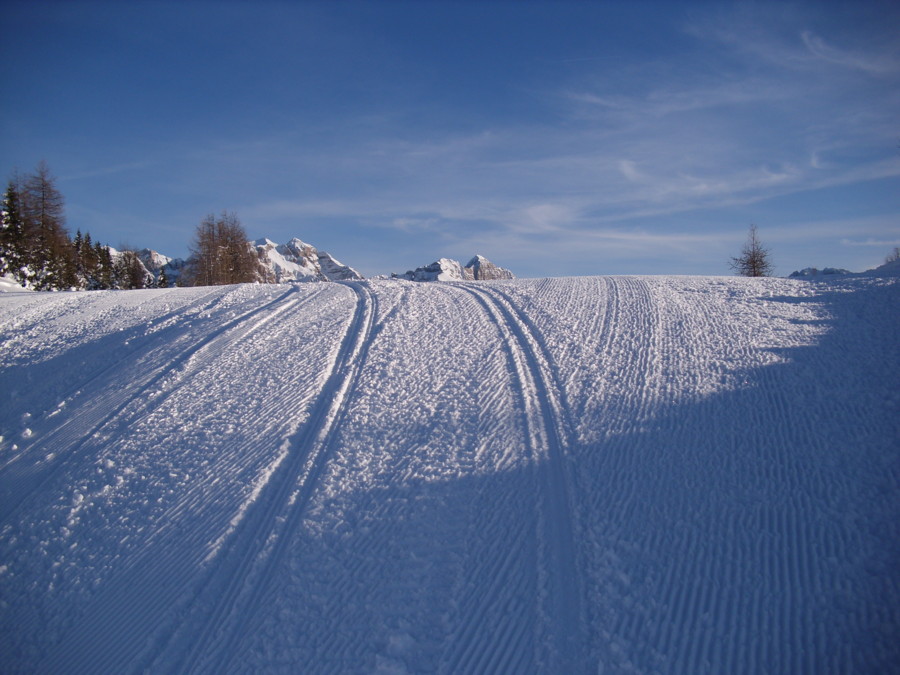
<point x="105" y="271"/>
<point x="12" y="236"/>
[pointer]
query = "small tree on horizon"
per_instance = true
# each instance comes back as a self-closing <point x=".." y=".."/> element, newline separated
<point x="754" y="259"/>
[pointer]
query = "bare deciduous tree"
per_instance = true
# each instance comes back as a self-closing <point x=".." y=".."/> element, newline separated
<point x="48" y="249"/>
<point x="754" y="259"/>
<point x="221" y="253"/>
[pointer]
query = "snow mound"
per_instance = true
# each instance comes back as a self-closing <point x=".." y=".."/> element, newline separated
<point x="888" y="269"/>
<point x="10" y="285"/>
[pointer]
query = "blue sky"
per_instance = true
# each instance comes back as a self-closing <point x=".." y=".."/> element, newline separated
<point x="553" y="138"/>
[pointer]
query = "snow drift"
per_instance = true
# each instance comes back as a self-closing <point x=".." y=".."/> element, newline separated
<point x="608" y="474"/>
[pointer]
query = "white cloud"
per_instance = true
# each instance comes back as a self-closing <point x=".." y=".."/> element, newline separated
<point x="870" y="63"/>
<point x="881" y="243"/>
<point x="629" y="169"/>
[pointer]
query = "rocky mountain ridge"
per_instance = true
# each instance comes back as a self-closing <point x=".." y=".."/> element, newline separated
<point x="278" y="263"/>
<point x="478" y="268"/>
<point x="299" y="261"/>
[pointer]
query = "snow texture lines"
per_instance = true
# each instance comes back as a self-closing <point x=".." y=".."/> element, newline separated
<point x="604" y="474"/>
<point x="241" y="572"/>
<point x="116" y="406"/>
<point x="560" y="636"/>
<point x="154" y="582"/>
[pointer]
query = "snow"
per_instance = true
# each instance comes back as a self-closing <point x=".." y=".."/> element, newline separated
<point x="599" y="474"/>
<point x="10" y="285"/>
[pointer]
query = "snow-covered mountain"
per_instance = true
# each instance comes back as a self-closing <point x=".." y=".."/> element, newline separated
<point x="299" y="261"/>
<point x="279" y="263"/>
<point x="155" y="263"/>
<point x="890" y="268"/>
<point x="478" y="268"/>
<point x="814" y="272"/>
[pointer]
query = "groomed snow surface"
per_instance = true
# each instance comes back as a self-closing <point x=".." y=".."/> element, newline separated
<point x="604" y="475"/>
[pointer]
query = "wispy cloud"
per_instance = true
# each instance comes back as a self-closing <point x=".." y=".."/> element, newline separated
<point x="878" y="243"/>
<point x="615" y="166"/>
<point x="878" y="64"/>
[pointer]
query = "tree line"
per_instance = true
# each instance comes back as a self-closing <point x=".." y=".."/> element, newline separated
<point x="37" y="251"/>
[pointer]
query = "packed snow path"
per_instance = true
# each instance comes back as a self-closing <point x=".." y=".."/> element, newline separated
<point x="629" y="474"/>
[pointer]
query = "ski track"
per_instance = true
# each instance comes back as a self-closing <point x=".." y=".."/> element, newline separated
<point x="136" y="398"/>
<point x="158" y="585"/>
<point x="410" y="499"/>
<point x="260" y="542"/>
<point x="41" y="344"/>
<point x="545" y="420"/>
<point x="606" y="474"/>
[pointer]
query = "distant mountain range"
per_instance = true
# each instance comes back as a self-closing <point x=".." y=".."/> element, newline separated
<point x="890" y="268"/>
<point x="477" y="269"/>
<point x="299" y="261"/>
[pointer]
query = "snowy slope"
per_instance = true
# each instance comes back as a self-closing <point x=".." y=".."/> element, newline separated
<point x="607" y="474"/>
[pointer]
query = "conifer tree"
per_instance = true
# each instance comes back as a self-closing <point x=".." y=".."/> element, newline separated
<point x="104" y="266"/>
<point x="754" y="259"/>
<point x="12" y="235"/>
<point x="77" y="250"/>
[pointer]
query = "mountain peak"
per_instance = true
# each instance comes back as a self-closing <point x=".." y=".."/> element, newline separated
<point x="479" y="268"/>
<point x="299" y="261"/>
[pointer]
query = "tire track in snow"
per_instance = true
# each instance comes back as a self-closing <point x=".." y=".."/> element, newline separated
<point x="111" y="407"/>
<point x="547" y="435"/>
<point x="242" y="571"/>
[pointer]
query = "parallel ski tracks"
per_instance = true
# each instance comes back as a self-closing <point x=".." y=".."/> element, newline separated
<point x="142" y="395"/>
<point x="547" y="429"/>
<point x="153" y="582"/>
<point x="111" y="365"/>
<point x="240" y="574"/>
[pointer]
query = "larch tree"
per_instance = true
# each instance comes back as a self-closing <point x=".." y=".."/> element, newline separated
<point x="47" y="242"/>
<point x="221" y="254"/>
<point x="754" y="258"/>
